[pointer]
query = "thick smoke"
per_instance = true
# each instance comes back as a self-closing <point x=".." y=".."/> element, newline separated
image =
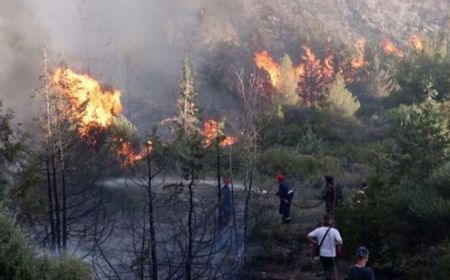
<point x="137" y="46"/>
<point x="21" y="40"/>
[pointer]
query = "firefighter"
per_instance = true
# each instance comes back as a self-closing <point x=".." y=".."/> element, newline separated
<point x="225" y="203"/>
<point x="285" y="193"/>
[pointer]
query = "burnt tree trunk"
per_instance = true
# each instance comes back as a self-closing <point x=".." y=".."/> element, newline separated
<point x="219" y="192"/>
<point x="189" y="256"/>
<point x="56" y="199"/>
<point x="51" y="218"/>
<point x="152" y="243"/>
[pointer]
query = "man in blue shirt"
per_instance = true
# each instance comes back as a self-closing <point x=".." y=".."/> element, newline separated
<point x="359" y="271"/>
<point x="285" y="193"/>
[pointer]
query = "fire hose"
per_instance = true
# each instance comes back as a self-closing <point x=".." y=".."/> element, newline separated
<point x="301" y="207"/>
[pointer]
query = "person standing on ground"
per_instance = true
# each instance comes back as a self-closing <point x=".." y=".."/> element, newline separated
<point x="285" y="193"/>
<point x="225" y="203"/>
<point x="359" y="271"/>
<point x="326" y="237"/>
<point x="332" y="195"/>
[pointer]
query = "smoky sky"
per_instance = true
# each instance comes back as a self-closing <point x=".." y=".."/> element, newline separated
<point x="131" y="45"/>
<point x="137" y="46"/>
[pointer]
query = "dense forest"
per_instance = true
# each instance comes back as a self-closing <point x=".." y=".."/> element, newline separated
<point x="133" y="167"/>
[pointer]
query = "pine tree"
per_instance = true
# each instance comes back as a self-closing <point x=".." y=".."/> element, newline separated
<point x="312" y="80"/>
<point x="187" y="121"/>
<point x="422" y="135"/>
<point x="289" y="82"/>
<point x="339" y="99"/>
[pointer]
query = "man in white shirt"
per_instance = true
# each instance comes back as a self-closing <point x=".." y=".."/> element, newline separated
<point x="327" y="238"/>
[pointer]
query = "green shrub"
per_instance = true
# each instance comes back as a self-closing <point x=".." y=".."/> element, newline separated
<point x="18" y="261"/>
<point x="296" y="165"/>
<point x="69" y="268"/>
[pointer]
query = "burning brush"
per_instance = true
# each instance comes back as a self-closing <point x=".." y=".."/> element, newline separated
<point x="94" y="110"/>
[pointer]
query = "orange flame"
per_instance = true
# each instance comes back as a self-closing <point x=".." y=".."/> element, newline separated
<point x="211" y="132"/>
<point x="264" y="61"/>
<point x="228" y="141"/>
<point x="416" y="42"/>
<point x="358" y="61"/>
<point x="390" y="48"/>
<point x="126" y="152"/>
<point x="328" y="66"/>
<point x="312" y="73"/>
<point x="90" y="104"/>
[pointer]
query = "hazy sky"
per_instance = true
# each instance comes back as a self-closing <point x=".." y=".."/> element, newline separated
<point x="125" y="44"/>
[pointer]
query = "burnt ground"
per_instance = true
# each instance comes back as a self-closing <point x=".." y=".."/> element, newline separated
<point x="282" y="252"/>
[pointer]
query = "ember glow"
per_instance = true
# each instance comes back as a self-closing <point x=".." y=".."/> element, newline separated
<point x="211" y="132"/>
<point x="90" y="104"/>
<point x="127" y="153"/>
<point x="359" y="61"/>
<point x="416" y="42"/>
<point x="390" y="48"/>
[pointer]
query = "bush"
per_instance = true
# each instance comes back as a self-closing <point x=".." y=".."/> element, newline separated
<point x="296" y="165"/>
<point x="69" y="268"/>
<point x="17" y="260"/>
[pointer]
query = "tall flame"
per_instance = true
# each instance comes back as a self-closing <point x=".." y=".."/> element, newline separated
<point x="390" y="48"/>
<point x="90" y="104"/>
<point x="359" y="61"/>
<point x="92" y="107"/>
<point x="211" y="132"/>
<point x="264" y="61"/>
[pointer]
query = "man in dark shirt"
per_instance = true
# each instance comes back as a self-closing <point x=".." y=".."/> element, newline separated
<point x="285" y="193"/>
<point x="359" y="271"/>
<point x="226" y="205"/>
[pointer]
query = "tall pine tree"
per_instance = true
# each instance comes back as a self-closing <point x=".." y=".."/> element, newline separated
<point x="187" y="122"/>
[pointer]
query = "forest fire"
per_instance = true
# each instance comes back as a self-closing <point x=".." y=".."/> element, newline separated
<point x="312" y="72"/>
<point x="390" y="48"/>
<point x="359" y="61"/>
<point x="92" y="107"/>
<point x="126" y="152"/>
<point x="211" y="131"/>
<point x="416" y="42"/>
<point x="90" y="104"/>
<point x="264" y="61"/>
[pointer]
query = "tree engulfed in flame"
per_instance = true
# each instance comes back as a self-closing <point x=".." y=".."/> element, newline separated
<point x="92" y="108"/>
<point x="390" y="48"/>
<point x="263" y="60"/>
<point x="312" y="73"/>
<point x="90" y="104"/>
<point x="212" y="131"/>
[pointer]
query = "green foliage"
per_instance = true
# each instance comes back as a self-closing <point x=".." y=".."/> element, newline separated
<point x="418" y="71"/>
<point x="310" y="143"/>
<point x="69" y="268"/>
<point x="339" y="99"/>
<point x="17" y="260"/>
<point x="10" y="149"/>
<point x="26" y="193"/>
<point x="298" y="166"/>
<point x="422" y="138"/>
<point x="288" y="82"/>
<point x="335" y="127"/>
